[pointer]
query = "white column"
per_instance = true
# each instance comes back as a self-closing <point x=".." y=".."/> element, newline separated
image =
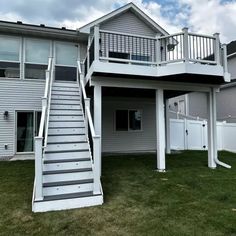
<point x="160" y="130"/>
<point x="185" y="44"/>
<point x="98" y="116"/>
<point x="96" y="42"/>
<point x="217" y="48"/>
<point x="167" y="120"/>
<point x="211" y="126"/>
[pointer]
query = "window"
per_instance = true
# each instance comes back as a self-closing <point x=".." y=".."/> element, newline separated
<point x="128" y="120"/>
<point x="9" y="57"/>
<point x="36" y="58"/>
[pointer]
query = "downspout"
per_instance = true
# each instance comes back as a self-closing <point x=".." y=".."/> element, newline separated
<point x="218" y="162"/>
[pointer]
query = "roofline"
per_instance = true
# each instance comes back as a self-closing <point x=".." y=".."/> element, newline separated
<point x="85" y="28"/>
<point x="231" y="55"/>
<point x="19" y="28"/>
<point x="228" y="85"/>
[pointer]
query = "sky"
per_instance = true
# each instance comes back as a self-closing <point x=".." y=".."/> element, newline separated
<point x="200" y="16"/>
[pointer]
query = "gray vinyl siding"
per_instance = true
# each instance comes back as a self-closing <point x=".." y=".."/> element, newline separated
<point x="226" y="104"/>
<point x="128" y="22"/>
<point x="83" y="51"/>
<point x="128" y="141"/>
<point x="198" y="104"/>
<point x="16" y="95"/>
<point x="232" y="67"/>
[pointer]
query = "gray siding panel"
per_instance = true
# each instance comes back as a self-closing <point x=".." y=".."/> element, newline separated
<point x="128" y="23"/>
<point x="128" y="141"/>
<point x="16" y="95"/>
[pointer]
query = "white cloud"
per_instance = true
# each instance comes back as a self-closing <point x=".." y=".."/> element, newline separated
<point x="210" y="16"/>
<point x="202" y="16"/>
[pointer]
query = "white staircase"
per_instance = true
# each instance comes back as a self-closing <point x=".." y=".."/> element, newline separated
<point x="67" y="165"/>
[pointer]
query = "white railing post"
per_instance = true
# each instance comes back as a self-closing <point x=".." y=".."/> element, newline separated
<point x="227" y="76"/>
<point x="158" y="50"/>
<point x="96" y="163"/>
<point x="185" y="45"/>
<point x="38" y="168"/>
<point x="217" y="48"/>
<point x="96" y="43"/>
<point x="86" y="105"/>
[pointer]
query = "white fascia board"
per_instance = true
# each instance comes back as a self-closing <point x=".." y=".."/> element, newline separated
<point x="146" y="18"/>
<point x="148" y="84"/>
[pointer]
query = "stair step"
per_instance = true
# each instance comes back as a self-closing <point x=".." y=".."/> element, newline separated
<point x="46" y="161"/>
<point x="67" y="155"/>
<point x="68" y="175"/>
<point x="66" y="124"/>
<point x="65" y="84"/>
<point x="65" y="101"/>
<point x="66" y="138"/>
<point x="68" y="196"/>
<point x="67" y="147"/>
<point x="66" y="112"/>
<point x="63" y="88"/>
<point x="66" y="118"/>
<point x="67" y="189"/>
<point x="64" y="183"/>
<point x="66" y="131"/>
<point x="65" y="106"/>
<point x="66" y="97"/>
<point x="65" y="93"/>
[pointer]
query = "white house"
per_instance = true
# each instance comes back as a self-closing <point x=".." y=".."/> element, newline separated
<point x="104" y="90"/>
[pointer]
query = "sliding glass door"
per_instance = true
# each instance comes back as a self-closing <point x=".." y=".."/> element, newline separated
<point x="27" y="125"/>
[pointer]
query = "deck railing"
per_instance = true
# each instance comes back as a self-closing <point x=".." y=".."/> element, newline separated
<point x="93" y="138"/>
<point x="115" y="47"/>
<point x="41" y="139"/>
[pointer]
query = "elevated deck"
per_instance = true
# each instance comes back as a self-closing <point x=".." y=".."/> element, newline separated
<point x="185" y="56"/>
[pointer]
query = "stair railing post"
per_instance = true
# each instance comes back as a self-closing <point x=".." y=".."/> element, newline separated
<point x="38" y="141"/>
<point x="86" y="105"/>
<point x="217" y="48"/>
<point x="185" y="45"/>
<point x="96" y="164"/>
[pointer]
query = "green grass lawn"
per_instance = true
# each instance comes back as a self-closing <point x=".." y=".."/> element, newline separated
<point x="189" y="199"/>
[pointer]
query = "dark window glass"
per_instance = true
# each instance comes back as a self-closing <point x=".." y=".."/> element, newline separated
<point x="122" y="120"/>
<point x="25" y="127"/>
<point x="66" y="73"/>
<point x="140" y="58"/>
<point x="33" y="71"/>
<point x="9" y="70"/>
<point x="135" y="118"/>
<point x="37" y="122"/>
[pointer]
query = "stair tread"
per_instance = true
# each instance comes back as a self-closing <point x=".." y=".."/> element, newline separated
<point x="48" y="161"/>
<point x="68" y="151"/>
<point x="65" y="183"/>
<point x="69" y="196"/>
<point x="65" y="134"/>
<point x="54" y="172"/>
<point x="67" y="142"/>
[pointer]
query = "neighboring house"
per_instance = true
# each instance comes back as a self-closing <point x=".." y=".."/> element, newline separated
<point x="104" y="90"/>
<point x="195" y="104"/>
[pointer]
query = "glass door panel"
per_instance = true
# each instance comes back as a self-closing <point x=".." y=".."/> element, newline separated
<point x="25" y="131"/>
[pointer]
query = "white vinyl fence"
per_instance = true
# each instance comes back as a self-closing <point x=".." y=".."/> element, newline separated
<point x="192" y="135"/>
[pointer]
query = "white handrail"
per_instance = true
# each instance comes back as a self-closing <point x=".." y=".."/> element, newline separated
<point x="43" y="129"/>
<point x="96" y="163"/>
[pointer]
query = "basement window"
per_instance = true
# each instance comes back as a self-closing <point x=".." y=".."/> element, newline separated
<point x="128" y="120"/>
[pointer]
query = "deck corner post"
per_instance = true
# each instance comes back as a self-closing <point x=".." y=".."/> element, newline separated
<point x="96" y="43"/>
<point x="185" y="45"/>
<point x="217" y="48"/>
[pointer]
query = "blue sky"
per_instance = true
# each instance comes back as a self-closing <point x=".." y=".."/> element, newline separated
<point x="201" y="16"/>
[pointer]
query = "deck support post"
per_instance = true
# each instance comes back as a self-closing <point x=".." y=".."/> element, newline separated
<point x="98" y="119"/>
<point x="167" y="120"/>
<point x="212" y="135"/>
<point x="160" y="130"/>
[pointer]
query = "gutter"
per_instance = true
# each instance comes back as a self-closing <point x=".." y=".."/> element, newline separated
<point x="220" y="163"/>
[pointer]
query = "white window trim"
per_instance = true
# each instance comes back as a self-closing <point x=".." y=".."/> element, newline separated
<point x="129" y="130"/>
